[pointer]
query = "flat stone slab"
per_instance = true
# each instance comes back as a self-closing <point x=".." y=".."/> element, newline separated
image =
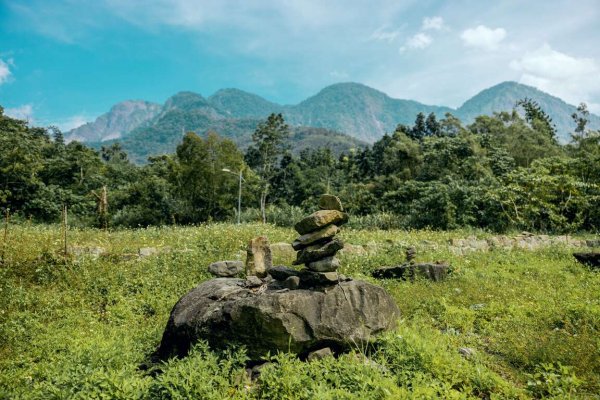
<point x="320" y="236"/>
<point x="318" y="252"/>
<point x="432" y="271"/>
<point x="329" y="264"/>
<point x="224" y="312"/>
<point x="320" y="219"/>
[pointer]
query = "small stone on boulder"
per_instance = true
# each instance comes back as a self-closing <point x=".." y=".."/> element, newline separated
<point x="311" y="279"/>
<point x="258" y="257"/>
<point x="253" y="281"/>
<point x="292" y="283"/>
<point x="281" y="273"/>
<point x="330" y="202"/>
<point x="226" y="269"/>
<point x="320" y="219"/>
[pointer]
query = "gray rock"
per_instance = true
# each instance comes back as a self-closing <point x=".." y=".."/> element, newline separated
<point x="223" y="312"/>
<point x="319" y="354"/>
<point x="592" y="243"/>
<point x="281" y="273"/>
<point x="330" y="202"/>
<point x="410" y="253"/>
<point x="354" y="249"/>
<point x="282" y="250"/>
<point x="320" y="236"/>
<point x="328" y="264"/>
<point x="147" y="251"/>
<point x="253" y="281"/>
<point x="318" y="252"/>
<point x="292" y="283"/>
<point x="589" y="259"/>
<point x="320" y="219"/>
<point x="226" y="269"/>
<point x="466" y="352"/>
<point x="433" y="271"/>
<point x="256" y="370"/>
<point x="258" y="257"/>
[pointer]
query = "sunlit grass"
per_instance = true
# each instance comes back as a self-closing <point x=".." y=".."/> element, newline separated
<point x="80" y="327"/>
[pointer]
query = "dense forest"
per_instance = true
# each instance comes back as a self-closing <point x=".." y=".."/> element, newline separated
<point x="500" y="173"/>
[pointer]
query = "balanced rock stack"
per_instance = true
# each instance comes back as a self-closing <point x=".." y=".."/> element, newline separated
<point x="317" y="244"/>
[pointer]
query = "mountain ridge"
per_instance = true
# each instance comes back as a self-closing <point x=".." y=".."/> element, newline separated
<point x="350" y="108"/>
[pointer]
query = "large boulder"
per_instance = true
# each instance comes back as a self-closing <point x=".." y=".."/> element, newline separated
<point x="225" y="311"/>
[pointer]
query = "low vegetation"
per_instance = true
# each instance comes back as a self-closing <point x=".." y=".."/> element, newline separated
<point x="502" y="172"/>
<point x="81" y="327"/>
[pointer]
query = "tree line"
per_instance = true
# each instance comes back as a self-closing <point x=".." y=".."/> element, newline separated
<point x="502" y="172"/>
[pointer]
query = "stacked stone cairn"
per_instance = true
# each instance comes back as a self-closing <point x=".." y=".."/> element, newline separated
<point x="318" y="245"/>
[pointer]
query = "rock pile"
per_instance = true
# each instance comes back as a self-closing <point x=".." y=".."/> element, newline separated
<point x="317" y="244"/>
<point x="435" y="271"/>
<point x="311" y="312"/>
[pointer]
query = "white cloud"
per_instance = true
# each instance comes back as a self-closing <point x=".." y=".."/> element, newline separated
<point x="433" y="23"/>
<point x="483" y="37"/>
<point x="339" y="74"/>
<point x="382" y="34"/>
<point x="4" y="71"/>
<point x="24" y="112"/>
<point x="418" y="41"/>
<point x="72" y="122"/>
<point x="570" y="78"/>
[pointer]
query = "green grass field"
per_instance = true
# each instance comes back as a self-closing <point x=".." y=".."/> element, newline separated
<point x="79" y="328"/>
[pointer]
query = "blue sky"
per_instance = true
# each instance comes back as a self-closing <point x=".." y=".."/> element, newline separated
<point x="65" y="62"/>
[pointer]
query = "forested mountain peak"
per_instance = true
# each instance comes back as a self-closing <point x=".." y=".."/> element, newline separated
<point x="237" y="103"/>
<point x="186" y="101"/>
<point x="503" y="97"/>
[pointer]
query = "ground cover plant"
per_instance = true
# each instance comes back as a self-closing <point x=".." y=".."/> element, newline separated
<point x="81" y="327"/>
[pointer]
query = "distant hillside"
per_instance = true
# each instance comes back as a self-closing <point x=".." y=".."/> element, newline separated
<point x="356" y="110"/>
<point x="503" y="97"/>
<point x="121" y="119"/>
<point x="166" y="133"/>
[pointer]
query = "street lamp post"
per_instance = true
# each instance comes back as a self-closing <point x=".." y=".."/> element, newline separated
<point x="239" y="191"/>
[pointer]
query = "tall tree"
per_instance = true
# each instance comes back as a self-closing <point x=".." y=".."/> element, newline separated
<point x="537" y="118"/>
<point x="269" y="144"/>
<point x="432" y="126"/>
<point x="419" y="129"/>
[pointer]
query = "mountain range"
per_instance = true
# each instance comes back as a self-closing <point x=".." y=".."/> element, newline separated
<point x="340" y="116"/>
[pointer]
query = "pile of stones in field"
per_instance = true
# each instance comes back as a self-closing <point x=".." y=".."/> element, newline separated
<point x="311" y="312"/>
<point x="409" y="270"/>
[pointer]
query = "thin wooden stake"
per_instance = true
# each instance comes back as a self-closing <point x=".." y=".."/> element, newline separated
<point x="65" y="227"/>
<point x="5" y="239"/>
